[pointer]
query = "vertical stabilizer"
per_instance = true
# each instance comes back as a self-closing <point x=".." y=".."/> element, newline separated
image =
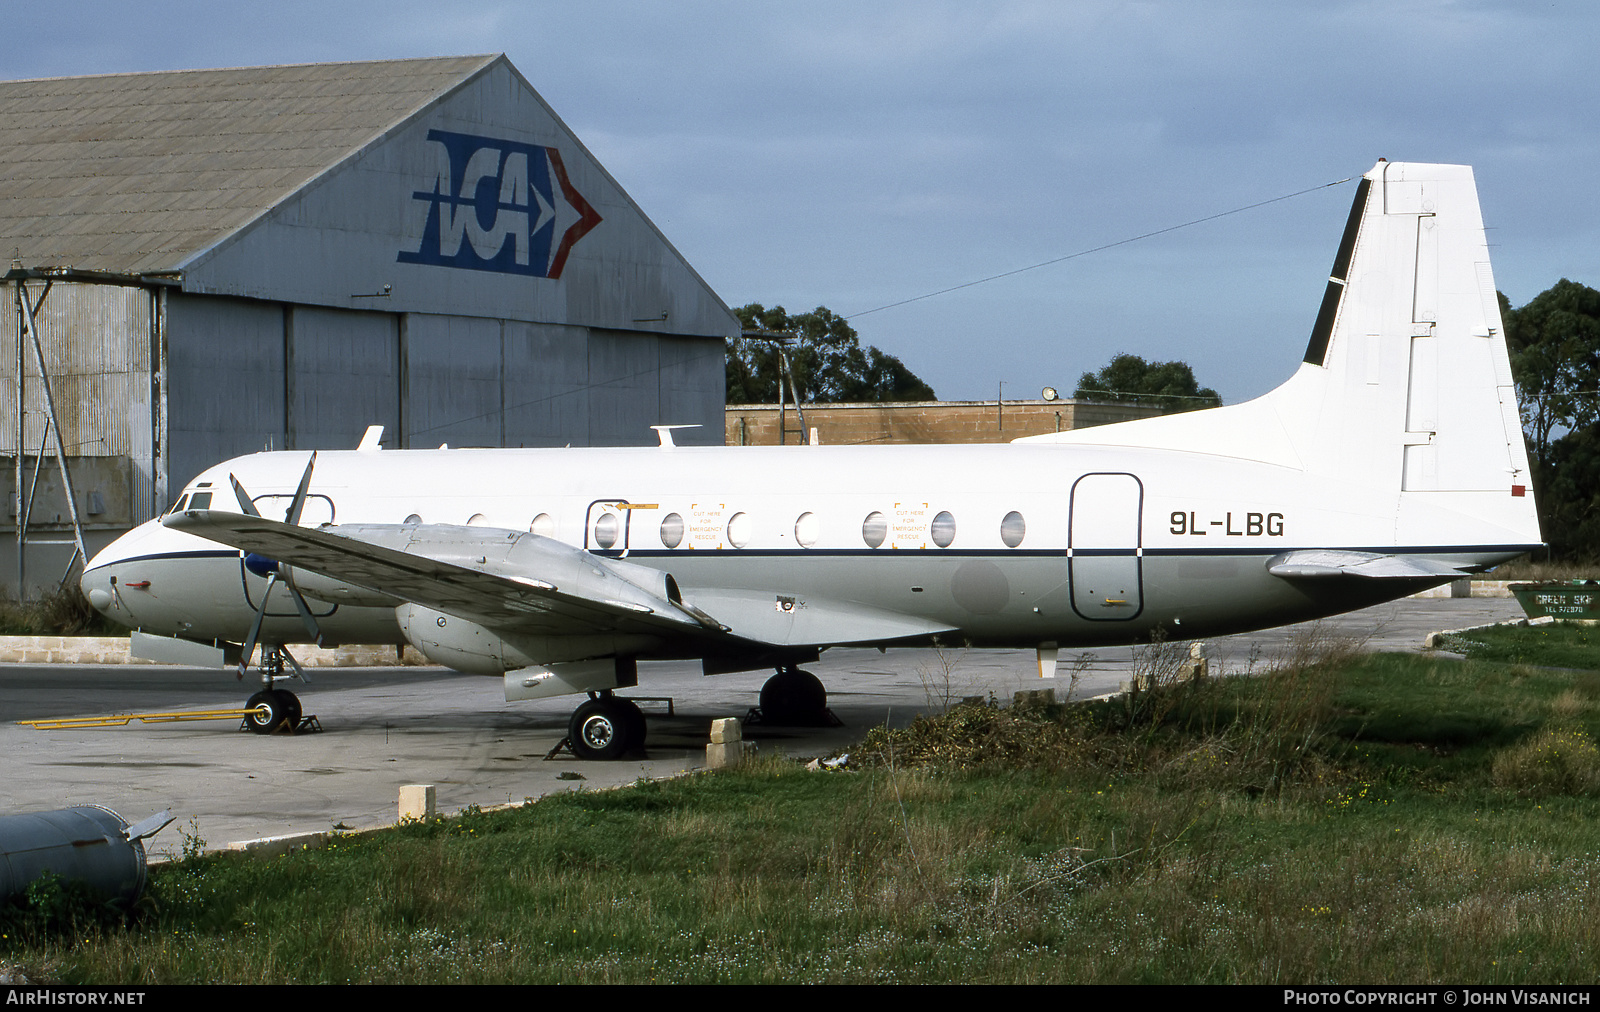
<point x="1406" y="378"/>
<point x="1405" y="384"/>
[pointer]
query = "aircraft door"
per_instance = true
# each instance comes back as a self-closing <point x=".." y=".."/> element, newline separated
<point x="1104" y="547"/>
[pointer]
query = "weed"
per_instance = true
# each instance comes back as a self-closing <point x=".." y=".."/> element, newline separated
<point x="1559" y="759"/>
<point x="62" y="612"/>
<point x="194" y="845"/>
<point x="937" y="677"/>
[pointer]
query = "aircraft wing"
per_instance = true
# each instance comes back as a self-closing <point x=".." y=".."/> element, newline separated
<point x="475" y="572"/>
<point x="514" y="580"/>
<point x="1315" y="563"/>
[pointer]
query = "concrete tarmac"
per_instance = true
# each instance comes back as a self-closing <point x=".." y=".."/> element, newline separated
<point x="387" y="727"/>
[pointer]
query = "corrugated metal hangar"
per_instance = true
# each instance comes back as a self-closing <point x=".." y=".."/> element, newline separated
<point x="219" y="261"/>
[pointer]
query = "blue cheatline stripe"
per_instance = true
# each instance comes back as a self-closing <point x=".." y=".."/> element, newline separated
<point x="1058" y="553"/>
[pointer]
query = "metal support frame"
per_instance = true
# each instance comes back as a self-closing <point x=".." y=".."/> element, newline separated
<point x="27" y="316"/>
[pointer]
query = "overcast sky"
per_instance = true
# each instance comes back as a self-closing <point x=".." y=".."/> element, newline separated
<point x="857" y="154"/>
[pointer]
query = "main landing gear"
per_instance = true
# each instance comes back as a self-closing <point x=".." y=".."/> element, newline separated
<point x="606" y="727"/>
<point x="795" y="698"/>
<point x="272" y="708"/>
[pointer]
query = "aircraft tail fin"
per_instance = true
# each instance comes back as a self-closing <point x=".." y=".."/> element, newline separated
<point x="1405" y="383"/>
<point x="1408" y="348"/>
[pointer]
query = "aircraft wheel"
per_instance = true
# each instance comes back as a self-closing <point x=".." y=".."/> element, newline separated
<point x="291" y="707"/>
<point x="633" y="719"/>
<point x="601" y="728"/>
<point x="266" y="712"/>
<point x="794" y="697"/>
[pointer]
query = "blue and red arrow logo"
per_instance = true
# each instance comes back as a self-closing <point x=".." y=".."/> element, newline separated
<point x="498" y="205"/>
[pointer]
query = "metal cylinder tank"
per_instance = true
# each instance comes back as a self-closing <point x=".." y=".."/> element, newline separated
<point x="86" y="844"/>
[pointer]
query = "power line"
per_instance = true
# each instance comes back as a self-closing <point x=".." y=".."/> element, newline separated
<point x="1097" y="249"/>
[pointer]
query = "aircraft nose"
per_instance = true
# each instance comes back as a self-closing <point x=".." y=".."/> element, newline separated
<point x="96" y="586"/>
<point x="103" y="577"/>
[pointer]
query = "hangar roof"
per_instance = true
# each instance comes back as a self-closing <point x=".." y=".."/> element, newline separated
<point x="135" y="173"/>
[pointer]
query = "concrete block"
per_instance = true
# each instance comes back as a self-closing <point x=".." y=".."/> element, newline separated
<point x="417" y="802"/>
<point x="276" y="846"/>
<point x="726" y="730"/>
<point x="1034" y="697"/>
<point x="719" y="756"/>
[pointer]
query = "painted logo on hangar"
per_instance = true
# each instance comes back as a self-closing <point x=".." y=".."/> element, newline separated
<point x="497" y="205"/>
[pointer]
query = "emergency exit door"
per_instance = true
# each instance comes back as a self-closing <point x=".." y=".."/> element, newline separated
<point x="1104" y="551"/>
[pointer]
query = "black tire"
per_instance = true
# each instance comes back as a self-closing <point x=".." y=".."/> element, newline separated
<point x="794" y="697"/>
<point x="266" y="712"/>
<point x="600" y="729"/>
<point x="633" y="718"/>
<point x="291" y="707"/>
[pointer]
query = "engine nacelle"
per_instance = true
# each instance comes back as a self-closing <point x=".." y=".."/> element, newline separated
<point x="478" y="650"/>
<point x="326" y="588"/>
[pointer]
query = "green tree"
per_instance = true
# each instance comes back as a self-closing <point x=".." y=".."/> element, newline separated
<point x="1129" y="378"/>
<point x="1554" y="343"/>
<point x="830" y="365"/>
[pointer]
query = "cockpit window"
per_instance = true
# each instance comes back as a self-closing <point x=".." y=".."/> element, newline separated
<point x="200" y="501"/>
<point x="177" y="507"/>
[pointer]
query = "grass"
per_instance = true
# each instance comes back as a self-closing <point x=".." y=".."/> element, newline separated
<point x="1557" y="645"/>
<point x="1374" y="819"/>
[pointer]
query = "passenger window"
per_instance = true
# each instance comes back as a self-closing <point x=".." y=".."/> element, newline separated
<point x="412" y="520"/>
<point x="1012" y="529"/>
<point x="672" y="530"/>
<point x="739" y="530"/>
<point x="477" y="520"/>
<point x="543" y="525"/>
<point x="807" y="529"/>
<point x="943" y="530"/>
<point x="874" y="529"/>
<point x="606" y="530"/>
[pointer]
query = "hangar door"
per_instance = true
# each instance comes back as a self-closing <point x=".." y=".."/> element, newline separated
<point x="1104" y="548"/>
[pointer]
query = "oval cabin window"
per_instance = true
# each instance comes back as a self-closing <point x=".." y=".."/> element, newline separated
<point x="671" y="530"/>
<point x="807" y="529"/>
<point x="943" y="530"/>
<point x="1012" y="529"/>
<point x="874" y="529"/>
<point x="739" y="530"/>
<point x="606" y="529"/>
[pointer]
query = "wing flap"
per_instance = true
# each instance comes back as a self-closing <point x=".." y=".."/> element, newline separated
<point x="798" y="621"/>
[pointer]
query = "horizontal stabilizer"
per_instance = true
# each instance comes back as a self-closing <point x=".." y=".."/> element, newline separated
<point x="1317" y="563"/>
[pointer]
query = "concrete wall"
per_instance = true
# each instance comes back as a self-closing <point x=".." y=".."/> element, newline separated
<point x="923" y="421"/>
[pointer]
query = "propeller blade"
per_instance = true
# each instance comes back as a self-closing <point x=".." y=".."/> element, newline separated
<point x="306" y="618"/>
<point x="293" y="516"/>
<point x="255" y="627"/>
<point x="244" y="498"/>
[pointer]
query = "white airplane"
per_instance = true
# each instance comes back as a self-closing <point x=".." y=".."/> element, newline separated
<point x="1392" y="460"/>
